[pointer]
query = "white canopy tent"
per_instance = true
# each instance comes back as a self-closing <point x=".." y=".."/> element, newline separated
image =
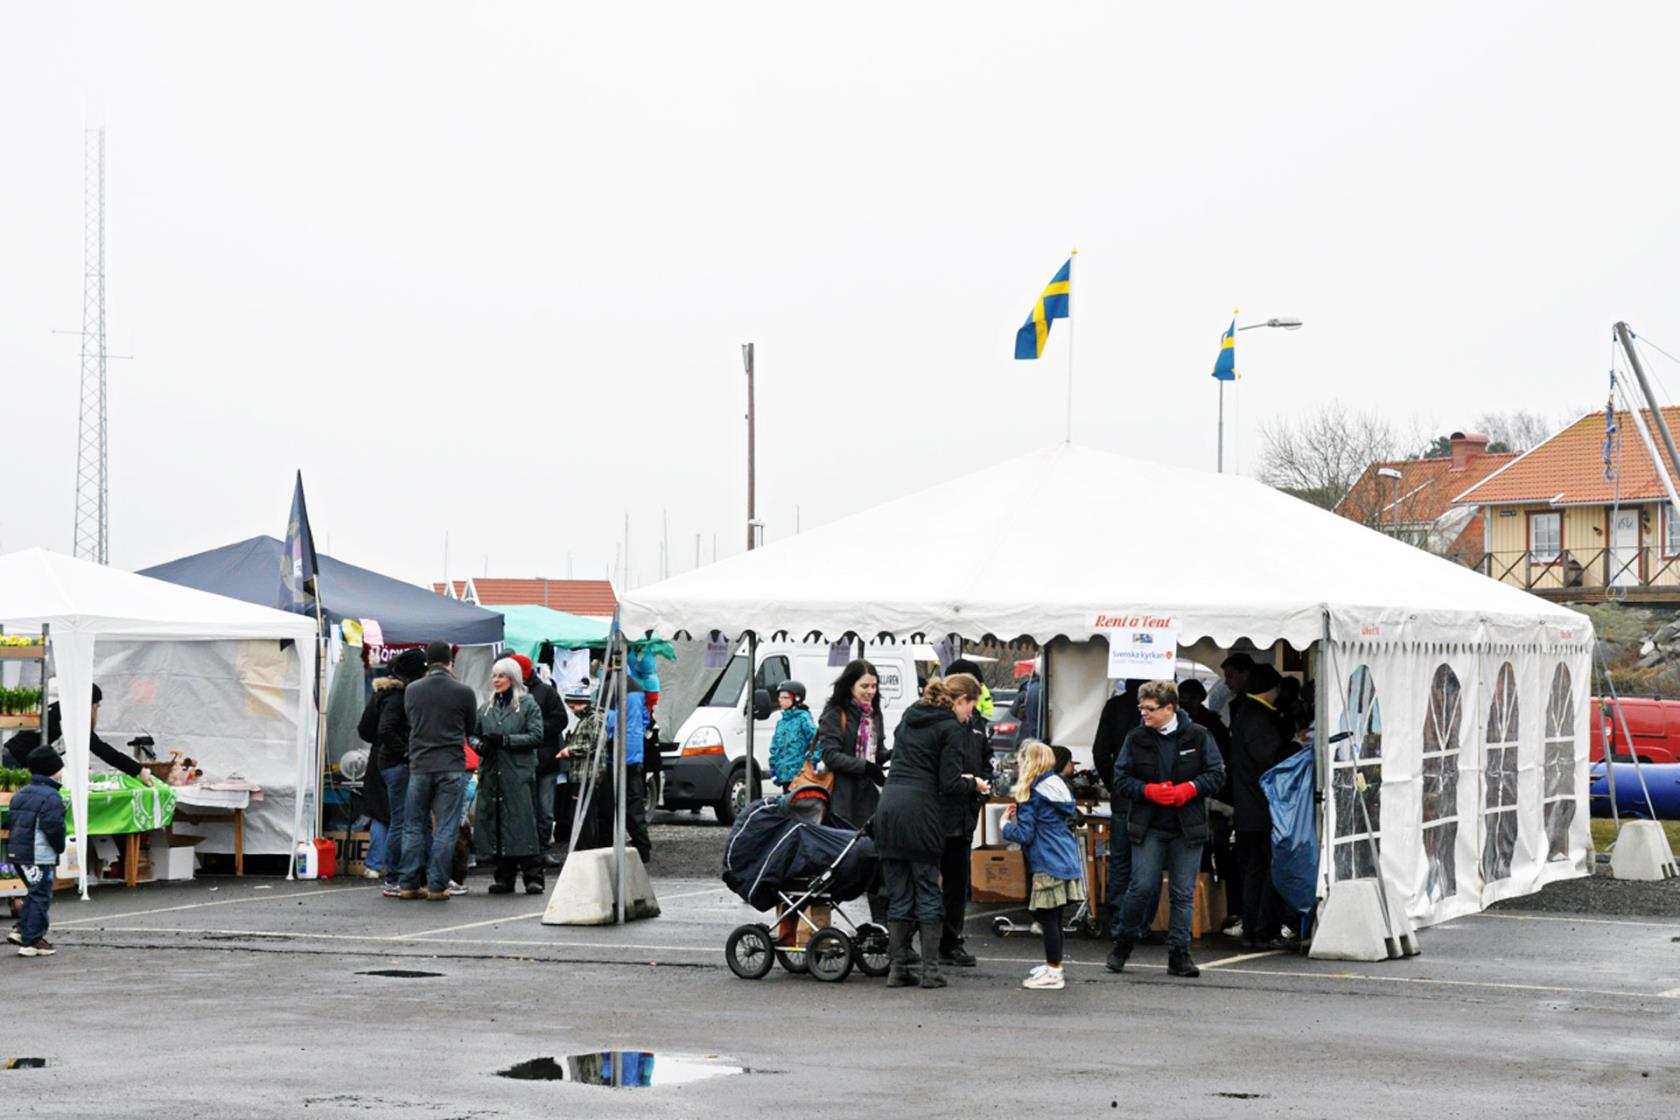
<point x="87" y="604"/>
<point x="1466" y="700"/>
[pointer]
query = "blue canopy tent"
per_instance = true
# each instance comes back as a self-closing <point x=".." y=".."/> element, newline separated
<point x="408" y="615"/>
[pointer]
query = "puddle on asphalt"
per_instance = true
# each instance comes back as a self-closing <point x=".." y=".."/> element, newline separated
<point x="26" y="1063"/>
<point x="400" y="973"/>
<point x="622" y="1069"/>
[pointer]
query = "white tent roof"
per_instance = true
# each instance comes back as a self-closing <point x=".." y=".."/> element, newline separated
<point x="1092" y="538"/>
<point x="83" y="602"/>
<point x="38" y="586"/>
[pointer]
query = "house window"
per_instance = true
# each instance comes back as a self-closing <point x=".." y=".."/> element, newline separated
<point x="1441" y="724"/>
<point x="1559" y="794"/>
<point x="1671" y="532"/>
<point x="1356" y="781"/>
<point x="1499" y="779"/>
<point x="1545" y="537"/>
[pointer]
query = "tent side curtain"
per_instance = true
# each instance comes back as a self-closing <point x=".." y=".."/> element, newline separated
<point x="249" y="570"/>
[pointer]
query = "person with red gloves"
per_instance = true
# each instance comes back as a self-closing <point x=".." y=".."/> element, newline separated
<point x="1168" y="767"/>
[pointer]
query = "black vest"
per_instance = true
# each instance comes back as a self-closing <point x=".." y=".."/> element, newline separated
<point x="1186" y="765"/>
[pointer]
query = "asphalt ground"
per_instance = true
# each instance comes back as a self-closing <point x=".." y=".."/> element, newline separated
<point x="247" y="998"/>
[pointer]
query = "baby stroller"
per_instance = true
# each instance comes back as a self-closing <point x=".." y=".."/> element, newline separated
<point x="777" y="859"/>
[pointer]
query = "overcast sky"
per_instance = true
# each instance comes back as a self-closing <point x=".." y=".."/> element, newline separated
<point x="486" y="269"/>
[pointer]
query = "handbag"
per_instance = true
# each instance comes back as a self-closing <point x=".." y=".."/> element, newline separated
<point x="809" y="775"/>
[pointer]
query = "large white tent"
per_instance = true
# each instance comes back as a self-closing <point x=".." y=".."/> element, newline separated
<point x="94" y="609"/>
<point x="1465" y="701"/>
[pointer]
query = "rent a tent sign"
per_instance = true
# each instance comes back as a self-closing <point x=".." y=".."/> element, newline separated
<point x="1140" y="646"/>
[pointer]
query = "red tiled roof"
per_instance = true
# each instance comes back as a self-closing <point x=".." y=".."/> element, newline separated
<point x="1569" y="467"/>
<point x="574" y="596"/>
<point x="443" y="588"/>
<point x="1427" y="488"/>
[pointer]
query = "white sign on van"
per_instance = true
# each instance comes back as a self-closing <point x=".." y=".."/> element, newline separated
<point x="839" y="654"/>
<point x="892" y="683"/>
<point x="1146" y="654"/>
<point x="717" y="654"/>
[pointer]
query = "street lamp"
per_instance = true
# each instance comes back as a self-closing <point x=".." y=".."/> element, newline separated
<point x="1390" y="472"/>
<point x="1288" y="323"/>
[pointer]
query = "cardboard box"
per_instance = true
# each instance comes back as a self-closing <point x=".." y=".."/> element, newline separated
<point x="352" y="852"/>
<point x="173" y="857"/>
<point x="1209" y="908"/>
<point x="997" y="875"/>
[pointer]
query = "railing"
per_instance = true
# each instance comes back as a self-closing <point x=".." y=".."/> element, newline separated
<point x="1585" y="569"/>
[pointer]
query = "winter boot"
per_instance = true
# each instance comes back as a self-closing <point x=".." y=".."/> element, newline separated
<point x="911" y="957"/>
<point x="1180" y="964"/>
<point x="1119" y="955"/>
<point x="534" y="882"/>
<point x="898" y="942"/>
<point x="930" y="959"/>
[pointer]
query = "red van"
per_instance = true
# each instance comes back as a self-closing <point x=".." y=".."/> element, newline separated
<point x="1654" y="725"/>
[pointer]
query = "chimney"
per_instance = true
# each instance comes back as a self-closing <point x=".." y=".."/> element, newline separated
<point x="1465" y="447"/>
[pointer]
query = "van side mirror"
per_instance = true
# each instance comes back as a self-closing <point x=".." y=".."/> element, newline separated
<point x="761" y="703"/>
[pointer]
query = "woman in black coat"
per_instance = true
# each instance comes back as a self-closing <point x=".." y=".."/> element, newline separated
<point x="927" y="785"/>
<point x="852" y="739"/>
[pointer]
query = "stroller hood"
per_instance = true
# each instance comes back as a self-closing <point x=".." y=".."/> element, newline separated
<point x="769" y="848"/>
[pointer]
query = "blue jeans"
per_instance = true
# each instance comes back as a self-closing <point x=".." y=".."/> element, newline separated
<point x="545" y="811"/>
<point x="1182" y="861"/>
<point x="32" y="922"/>
<point x="439" y="797"/>
<point x="378" y="834"/>
<point x="1120" y="880"/>
<point x="396" y="840"/>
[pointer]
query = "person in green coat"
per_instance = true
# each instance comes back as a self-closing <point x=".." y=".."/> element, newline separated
<point x="510" y="729"/>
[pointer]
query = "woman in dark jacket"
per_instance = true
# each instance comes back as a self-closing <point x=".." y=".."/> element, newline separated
<point x="510" y="730"/>
<point x="927" y="785"/>
<point x="852" y="739"/>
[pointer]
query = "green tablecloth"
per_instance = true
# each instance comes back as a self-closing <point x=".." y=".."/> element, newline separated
<point x="119" y="804"/>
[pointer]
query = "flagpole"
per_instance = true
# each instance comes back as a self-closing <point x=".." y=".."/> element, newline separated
<point x="1072" y="257"/>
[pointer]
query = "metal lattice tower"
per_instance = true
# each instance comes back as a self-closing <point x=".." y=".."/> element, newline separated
<point x="92" y="477"/>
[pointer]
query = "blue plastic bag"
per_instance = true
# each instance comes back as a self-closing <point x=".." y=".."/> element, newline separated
<point x="1289" y="786"/>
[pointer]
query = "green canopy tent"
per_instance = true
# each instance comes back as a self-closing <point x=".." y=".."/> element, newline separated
<point x="526" y="628"/>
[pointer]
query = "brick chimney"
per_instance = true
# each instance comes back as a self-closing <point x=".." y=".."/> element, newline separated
<point x="1465" y="447"/>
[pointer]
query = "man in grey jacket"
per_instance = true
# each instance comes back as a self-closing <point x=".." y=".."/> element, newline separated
<point x="441" y="714"/>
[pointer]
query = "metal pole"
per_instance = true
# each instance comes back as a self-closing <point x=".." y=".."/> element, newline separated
<point x="752" y="448"/>
<point x="751" y="689"/>
<point x="1072" y="257"/>
<point x="1625" y="337"/>
<point x="1222" y="425"/>
<point x="1397" y="509"/>
<point x="621" y="747"/>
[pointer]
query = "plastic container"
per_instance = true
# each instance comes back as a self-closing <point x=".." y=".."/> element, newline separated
<point x="326" y="858"/>
<point x="306" y="861"/>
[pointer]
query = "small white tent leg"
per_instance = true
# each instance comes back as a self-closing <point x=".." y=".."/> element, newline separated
<point x="1642" y="852"/>
<point x="1351" y="925"/>
<point x="583" y="895"/>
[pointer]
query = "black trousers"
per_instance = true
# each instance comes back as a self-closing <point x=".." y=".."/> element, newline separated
<point x="635" y="812"/>
<point x="954" y="863"/>
<point x="912" y="892"/>
<point x="1260" y="902"/>
<point x="565" y="802"/>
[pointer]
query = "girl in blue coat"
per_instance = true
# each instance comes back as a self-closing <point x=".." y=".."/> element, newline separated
<point x="1041" y="821"/>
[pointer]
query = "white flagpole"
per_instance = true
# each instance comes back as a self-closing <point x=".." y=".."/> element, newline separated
<point x="1073" y="256"/>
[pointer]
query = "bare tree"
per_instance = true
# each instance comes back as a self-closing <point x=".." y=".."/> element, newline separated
<point x="1318" y="457"/>
<point x="1522" y="431"/>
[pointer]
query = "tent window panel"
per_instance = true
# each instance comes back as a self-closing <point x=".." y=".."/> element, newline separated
<point x="1442" y="725"/>
<point x="1356" y="779"/>
<point x="1560" y="815"/>
<point x="1499" y="778"/>
<point x="1559" y="782"/>
<point x="1440" y="843"/>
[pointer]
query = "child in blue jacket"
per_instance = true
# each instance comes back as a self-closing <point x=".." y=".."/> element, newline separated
<point x="790" y="746"/>
<point x="33" y="844"/>
<point x="1041" y="821"/>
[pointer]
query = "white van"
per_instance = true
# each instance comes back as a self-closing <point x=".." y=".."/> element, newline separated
<point x="707" y="765"/>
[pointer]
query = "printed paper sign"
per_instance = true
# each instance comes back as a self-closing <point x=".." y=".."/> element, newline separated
<point x="717" y="654"/>
<point x="1142" y="654"/>
<point x="947" y="651"/>
<point x="839" y="654"/>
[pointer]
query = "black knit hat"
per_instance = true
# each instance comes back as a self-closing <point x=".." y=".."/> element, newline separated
<point x="409" y="665"/>
<point x="45" y="761"/>
<point x="1263" y="678"/>
<point x="963" y="665"/>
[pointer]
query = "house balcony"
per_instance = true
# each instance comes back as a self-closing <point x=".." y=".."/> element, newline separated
<point x="1642" y="575"/>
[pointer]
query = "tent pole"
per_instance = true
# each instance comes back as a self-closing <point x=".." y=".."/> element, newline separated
<point x="751" y="689"/>
<point x="320" y="711"/>
<point x="621" y="751"/>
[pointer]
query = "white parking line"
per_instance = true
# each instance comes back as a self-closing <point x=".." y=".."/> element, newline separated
<point x="1240" y="957"/>
<point x="1672" y="993"/>
<point x="1578" y="921"/>
<point x="287" y="896"/>
<point x="468" y="925"/>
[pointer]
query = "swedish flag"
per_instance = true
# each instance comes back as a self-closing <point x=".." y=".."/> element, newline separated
<point x="1225" y="367"/>
<point x="1053" y="304"/>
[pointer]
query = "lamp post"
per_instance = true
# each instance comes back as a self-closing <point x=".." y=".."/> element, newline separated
<point x="1390" y="472"/>
<point x="1288" y="323"/>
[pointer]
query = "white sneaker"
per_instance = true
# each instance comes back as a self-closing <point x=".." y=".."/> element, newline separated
<point x="456" y="888"/>
<point x="1045" y="979"/>
<point x="370" y="873"/>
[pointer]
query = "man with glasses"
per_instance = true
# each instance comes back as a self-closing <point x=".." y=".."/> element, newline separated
<point x="1168" y="767"/>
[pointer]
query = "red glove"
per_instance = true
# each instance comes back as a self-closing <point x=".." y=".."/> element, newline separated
<point x="1159" y="792"/>
<point x="1183" y="793"/>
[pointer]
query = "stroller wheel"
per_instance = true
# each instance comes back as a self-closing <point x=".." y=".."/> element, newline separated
<point x="870" y="947"/>
<point x="748" y="952"/>
<point x="792" y="959"/>
<point x="829" y="956"/>
<point x="1001" y="926"/>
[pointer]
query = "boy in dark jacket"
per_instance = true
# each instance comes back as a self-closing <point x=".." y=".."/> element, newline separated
<point x="35" y="840"/>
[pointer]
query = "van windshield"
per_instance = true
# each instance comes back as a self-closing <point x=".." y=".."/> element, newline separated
<point x="726" y="690"/>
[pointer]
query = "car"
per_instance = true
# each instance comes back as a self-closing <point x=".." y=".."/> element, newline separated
<point x="1654" y="725"/>
<point x="1004" y="730"/>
